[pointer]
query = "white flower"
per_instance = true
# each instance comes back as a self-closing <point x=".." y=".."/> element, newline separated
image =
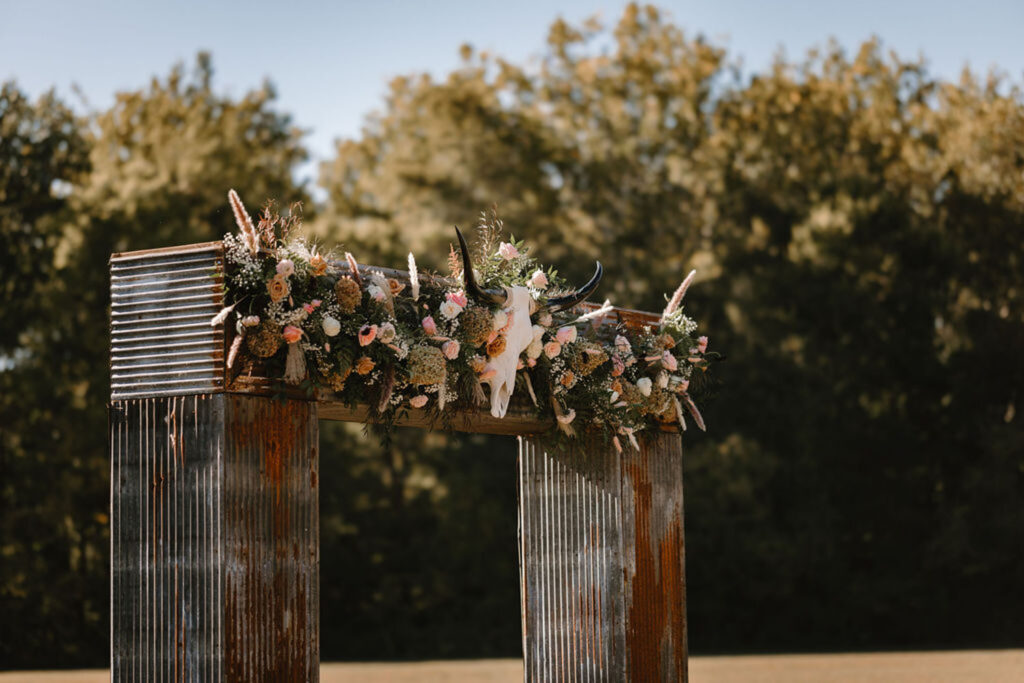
<point x="663" y="380"/>
<point x="538" y="332"/>
<point x="331" y="326"/>
<point x="538" y="279"/>
<point x="376" y="293"/>
<point x="507" y="251"/>
<point x="644" y="385"/>
<point x="535" y="348"/>
<point x="450" y="309"/>
<point x="285" y="267"/>
<point x="500" y="320"/>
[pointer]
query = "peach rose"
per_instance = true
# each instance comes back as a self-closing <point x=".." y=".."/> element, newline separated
<point x="450" y="349"/>
<point x="566" y="335"/>
<point x="278" y="288"/>
<point x="669" y="361"/>
<point x="364" y="366"/>
<point x="429" y="326"/>
<point x="418" y="401"/>
<point x="507" y="251"/>
<point x="285" y="267"/>
<point x="292" y="334"/>
<point x="552" y="349"/>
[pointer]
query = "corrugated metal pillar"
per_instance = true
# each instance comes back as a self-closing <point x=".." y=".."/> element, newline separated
<point x="214" y="497"/>
<point x="215" y="539"/>
<point x="602" y="562"/>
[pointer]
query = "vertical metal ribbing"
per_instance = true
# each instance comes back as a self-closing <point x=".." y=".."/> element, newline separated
<point x="571" y="577"/>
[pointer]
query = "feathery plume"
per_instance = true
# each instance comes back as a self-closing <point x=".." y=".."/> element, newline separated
<point x="353" y="268"/>
<point x="223" y="315"/>
<point x="692" y="407"/>
<point x="679" y="413"/>
<point x="244" y="222"/>
<point x="414" y="278"/>
<point x="295" y="364"/>
<point x="677" y="297"/>
<point x="236" y="346"/>
<point x="529" y="388"/>
<point x="386" y="389"/>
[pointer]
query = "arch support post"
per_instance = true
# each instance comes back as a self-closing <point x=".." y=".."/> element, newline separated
<point x="602" y="561"/>
<point x="214" y="539"/>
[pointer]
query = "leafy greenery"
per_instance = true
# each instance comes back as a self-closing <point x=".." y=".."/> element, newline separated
<point x="856" y="224"/>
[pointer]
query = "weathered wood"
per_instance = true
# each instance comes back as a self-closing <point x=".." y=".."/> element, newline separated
<point x="214" y="539"/>
<point x="601" y="562"/>
<point x="479" y="422"/>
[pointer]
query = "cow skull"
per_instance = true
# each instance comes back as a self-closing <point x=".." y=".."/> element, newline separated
<point x="519" y="305"/>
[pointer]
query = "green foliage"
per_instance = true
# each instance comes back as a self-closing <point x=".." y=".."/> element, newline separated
<point x="857" y="228"/>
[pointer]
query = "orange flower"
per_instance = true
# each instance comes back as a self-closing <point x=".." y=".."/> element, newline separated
<point x="292" y="334"/>
<point x="568" y="379"/>
<point x="364" y="365"/>
<point x="278" y="288"/>
<point x="496" y="346"/>
<point x="318" y="264"/>
<point x="395" y="286"/>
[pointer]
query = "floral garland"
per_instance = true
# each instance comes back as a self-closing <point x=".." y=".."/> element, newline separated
<point x="320" y="323"/>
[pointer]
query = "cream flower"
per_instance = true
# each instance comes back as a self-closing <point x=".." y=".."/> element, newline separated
<point x="449" y="309"/>
<point x="538" y="279"/>
<point x="552" y="349"/>
<point x="500" y="320"/>
<point x="566" y="335"/>
<point x="451" y="349"/>
<point x="644" y="385"/>
<point x="285" y="267"/>
<point x="331" y="326"/>
<point x="535" y="348"/>
<point x="418" y="401"/>
<point x="386" y="333"/>
<point x="507" y="251"/>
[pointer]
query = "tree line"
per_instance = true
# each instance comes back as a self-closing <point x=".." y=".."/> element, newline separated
<point x="857" y="226"/>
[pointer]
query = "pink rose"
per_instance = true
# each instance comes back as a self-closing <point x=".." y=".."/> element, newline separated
<point x="566" y="335"/>
<point x="702" y="344"/>
<point x="285" y="267"/>
<point x="669" y="361"/>
<point x="450" y="349"/>
<point x="538" y="279"/>
<point x="292" y="334"/>
<point x="507" y="251"/>
<point x="552" y="349"/>
<point x="316" y="303"/>
<point x="458" y="298"/>
<point x="418" y="401"/>
<point x="429" y="326"/>
<point x="309" y="308"/>
<point x="367" y="333"/>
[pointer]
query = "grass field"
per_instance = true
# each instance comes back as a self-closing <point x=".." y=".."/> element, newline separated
<point x="995" y="666"/>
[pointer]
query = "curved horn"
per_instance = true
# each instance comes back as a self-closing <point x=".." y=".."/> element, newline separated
<point x="561" y="303"/>
<point x="474" y="290"/>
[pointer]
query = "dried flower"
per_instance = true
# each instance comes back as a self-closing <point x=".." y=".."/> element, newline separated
<point x="418" y="401"/>
<point x="538" y="279"/>
<point x="353" y="268"/>
<point x="568" y="379"/>
<point x="451" y="349"/>
<point x="677" y="297"/>
<point x="477" y="364"/>
<point x="429" y="326"/>
<point x="336" y="380"/>
<point x="318" y="264"/>
<point x="622" y="345"/>
<point x="666" y="341"/>
<point x="669" y="361"/>
<point x="348" y="293"/>
<point x="426" y="365"/>
<point x="566" y="335"/>
<point x="367" y="333"/>
<point x="386" y="333"/>
<point x="507" y="251"/>
<point x="265" y="340"/>
<point x="497" y="346"/>
<point x="449" y="309"/>
<point x="236" y="346"/>
<point x="295" y="363"/>
<point x="475" y="325"/>
<point x="222" y="315"/>
<point x="285" y="267"/>
<point x="278" y="288"/>
<point x="552" y="349"/>
<point x="331" y="326"/>
<point x="244" y="222"/>
<point x="364" y="365"/>
<point x="545" y="319"/>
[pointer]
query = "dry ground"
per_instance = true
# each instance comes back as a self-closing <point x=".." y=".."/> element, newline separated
<point x="997" y="666"/>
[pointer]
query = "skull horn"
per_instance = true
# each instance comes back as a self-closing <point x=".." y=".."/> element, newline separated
<point x="491" y="296"/>
<point x="560" y="303"/>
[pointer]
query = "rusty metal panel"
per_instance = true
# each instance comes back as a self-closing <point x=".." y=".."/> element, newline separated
<point x="271" y="541"/>
<point x="654" y="559"/>
<point x="161" y="303"/>
<point x="165" y="556"/>
<point x="570" y="549"/>
<point x="214" y="539"/>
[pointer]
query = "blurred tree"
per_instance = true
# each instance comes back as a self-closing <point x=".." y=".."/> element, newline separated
<point x="161" y="162"/>
<point x="857" y="225"/>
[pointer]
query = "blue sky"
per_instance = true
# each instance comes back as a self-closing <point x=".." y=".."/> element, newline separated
<point x="331" y="61"/>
